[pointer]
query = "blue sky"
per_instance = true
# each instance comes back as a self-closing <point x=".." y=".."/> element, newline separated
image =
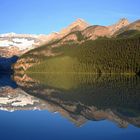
<point x="45" y="16"/>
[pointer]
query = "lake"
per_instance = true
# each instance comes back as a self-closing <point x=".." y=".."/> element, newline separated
<point x="41" y="106"/>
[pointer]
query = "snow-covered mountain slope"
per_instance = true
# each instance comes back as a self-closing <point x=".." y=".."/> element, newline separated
<point x="19" y="40"/>
<point x="17" y="44"/>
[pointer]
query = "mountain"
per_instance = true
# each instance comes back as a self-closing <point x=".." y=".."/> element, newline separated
<point x="133" y="26"/>
<point x="98" y="56"/>
<point x="78" y="25"/>
<point x="68" y="33"/>
<point x="119" y="25"/>
<point x="93" y="32"/>
<point x="80" y="31"/>
<point x="87" y="48"/>
<point x="129" y="30"/>
<point x="18" y="44"/>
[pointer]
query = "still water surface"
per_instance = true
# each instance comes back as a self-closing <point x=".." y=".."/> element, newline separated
<point x="69" y="106"/>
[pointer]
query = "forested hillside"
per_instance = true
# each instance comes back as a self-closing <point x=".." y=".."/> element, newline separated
<point x="99" y="56"/>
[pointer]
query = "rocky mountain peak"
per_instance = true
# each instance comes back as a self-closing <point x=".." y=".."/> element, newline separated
<point x="123" y="21"/>
<point x="77" y="25"/>
<point x="81" y="23"/>
<point x="120" y="24"/>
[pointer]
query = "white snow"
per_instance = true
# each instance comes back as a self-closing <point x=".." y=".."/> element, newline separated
<point x="5" y="43"/>
<point x="22" y="43"/>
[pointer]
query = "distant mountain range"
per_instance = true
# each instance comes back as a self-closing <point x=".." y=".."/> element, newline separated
<point x="18" y="44"/>
<point x="87" y="49"/>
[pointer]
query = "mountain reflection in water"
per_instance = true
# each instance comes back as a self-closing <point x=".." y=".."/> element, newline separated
<point x="78" y="97"/>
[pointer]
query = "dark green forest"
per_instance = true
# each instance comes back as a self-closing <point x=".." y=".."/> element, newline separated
<point x="116" y="55"/>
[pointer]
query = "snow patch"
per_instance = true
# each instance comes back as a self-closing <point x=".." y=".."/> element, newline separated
<point x="22" y="43"/>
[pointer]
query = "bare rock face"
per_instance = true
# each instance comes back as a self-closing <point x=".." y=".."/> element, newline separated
<point x="10" y="51"/>
<point x="88" y="32"/>
<point x="71" y="37"/>
<point x="93" y="32"/>
<point x="64" y="34"/>
<point x="48" y="38"/>
<point x="78" y="25"/>
<point x="122" y="23"/>
<point x="134" y="26"/>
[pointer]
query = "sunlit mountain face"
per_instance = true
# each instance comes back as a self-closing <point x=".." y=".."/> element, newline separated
<point x="78" y="32"/>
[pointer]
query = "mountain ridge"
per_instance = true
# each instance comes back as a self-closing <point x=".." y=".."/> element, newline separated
<point x="25" y="42"/>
